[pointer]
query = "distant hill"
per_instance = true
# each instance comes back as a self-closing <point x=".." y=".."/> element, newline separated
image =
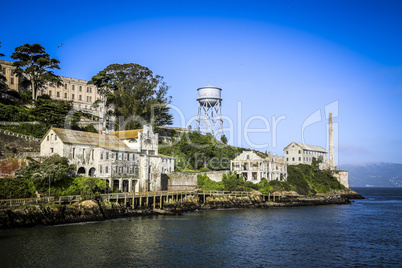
<point x="374" y="174"/>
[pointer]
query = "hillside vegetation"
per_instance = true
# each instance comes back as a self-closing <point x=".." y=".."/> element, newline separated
<point x="193" y="150"/>
<point x="47" y="112"/>
<point x="304" y="179"/>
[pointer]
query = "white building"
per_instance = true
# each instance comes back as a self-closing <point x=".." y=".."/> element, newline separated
<point x="254" y="167"/>
<point x="108" y="157"/>
<point x="300" y="153"/>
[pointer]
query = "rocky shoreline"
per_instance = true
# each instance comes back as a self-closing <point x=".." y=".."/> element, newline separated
<point x="90" y="210"/>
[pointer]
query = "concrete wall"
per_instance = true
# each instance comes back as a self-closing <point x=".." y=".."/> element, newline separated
<point x="9" y="166"/>
<point x="182" y="181"/>
<point x="342" y="176"/>
<point x="216" y="175"/>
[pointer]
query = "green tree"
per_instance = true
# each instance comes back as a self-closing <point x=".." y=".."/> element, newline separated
<point x="55" y="112"/>
<point x="224" y="139"/>
<point x="36" y="64"/>
<point x="232" y="182"/>
<point x="55" y="169"/>
<point x="3" y="79"/>
<point x="90" y="190"/>
<point x="135" y="93"/>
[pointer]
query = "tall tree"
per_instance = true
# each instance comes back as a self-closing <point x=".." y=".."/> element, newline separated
<point x="36" y="64"/>
<point x="135" y="93"/>
<point x="2" y="77"/>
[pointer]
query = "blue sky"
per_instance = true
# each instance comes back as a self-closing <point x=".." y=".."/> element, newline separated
<point x="289" y="61"/>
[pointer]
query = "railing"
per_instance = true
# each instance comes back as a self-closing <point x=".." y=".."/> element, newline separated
<point x="25" y="201"/>
<point x="115" y="196"/>
<point x="129" y="195"/>
<point x="18" y="123"/>
<point x="10" y="133"/>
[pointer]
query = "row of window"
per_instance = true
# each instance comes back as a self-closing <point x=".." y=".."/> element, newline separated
<point x="304" y="159"/>
<point x="5" y="70"/>
<point x="89" y="98"/>
<point x="293" y="159"/>
<point x="308" y="152"/>
<point x="89" y="89"/>
<point x="118" y="156"/>
<point x="119" y="170"/>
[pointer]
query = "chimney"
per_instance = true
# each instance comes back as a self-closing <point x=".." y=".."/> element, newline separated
<point x="331" y="144"/>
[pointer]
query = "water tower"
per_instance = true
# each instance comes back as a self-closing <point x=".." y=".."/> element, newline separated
<point x="209" y="111"/>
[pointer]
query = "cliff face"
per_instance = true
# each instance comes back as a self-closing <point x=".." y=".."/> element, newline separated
<point x="29" y="216"/>
<point x="10" y="146"/>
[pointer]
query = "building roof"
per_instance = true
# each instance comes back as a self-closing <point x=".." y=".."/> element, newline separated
<point x="126" y="134"/>
<point x="309" y="147"/>
<point x="88" y="138"/>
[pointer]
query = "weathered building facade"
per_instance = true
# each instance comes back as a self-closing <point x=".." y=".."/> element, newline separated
<point x="78" y="91"/>
<point x="108" y="157"/>
<point x="254" y="167"/>
<point x="300" y="153"/>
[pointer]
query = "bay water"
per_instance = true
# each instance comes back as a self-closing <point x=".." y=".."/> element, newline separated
<point x="364" y="233"/>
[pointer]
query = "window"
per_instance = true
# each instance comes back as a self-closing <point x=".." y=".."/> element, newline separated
<point x="107" y="156"/>
<point x="299" y="151"/>
<point x="117" y="169"/>
<point x="51" y="150"/>
<point x="87" y="98"/>
<point x="80" y="88"/>
<point x="50" y="93"/>
<point x="58" y="94"/>
<point x="83" y="154"/>
<point x="65" y="95"/>
<point x="73" y="153"/>
<point x="287" y="158"/>
<point x="73" y="87"/>
<point x="72" y="96"/>
<point x="293" y="159"/>
<point x="48" y="137"/>
<point x="100" y="169"/>
<point x="12" y="81"/>
<point x="55" y="137"/>
<point x="107" y="169"/>
<point x="299" y="158"/>
<point x="65" y="86"/>
<point x="287" y="152"/>
<point x="101" y="156"/>
<point x="80" y="97"/>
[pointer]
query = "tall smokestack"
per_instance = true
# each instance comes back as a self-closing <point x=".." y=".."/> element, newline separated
<point x="331" y="144"/>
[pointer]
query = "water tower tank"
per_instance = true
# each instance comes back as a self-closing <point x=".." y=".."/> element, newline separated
<point x="209" y="111"/>
<point x="209" y="96"/>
